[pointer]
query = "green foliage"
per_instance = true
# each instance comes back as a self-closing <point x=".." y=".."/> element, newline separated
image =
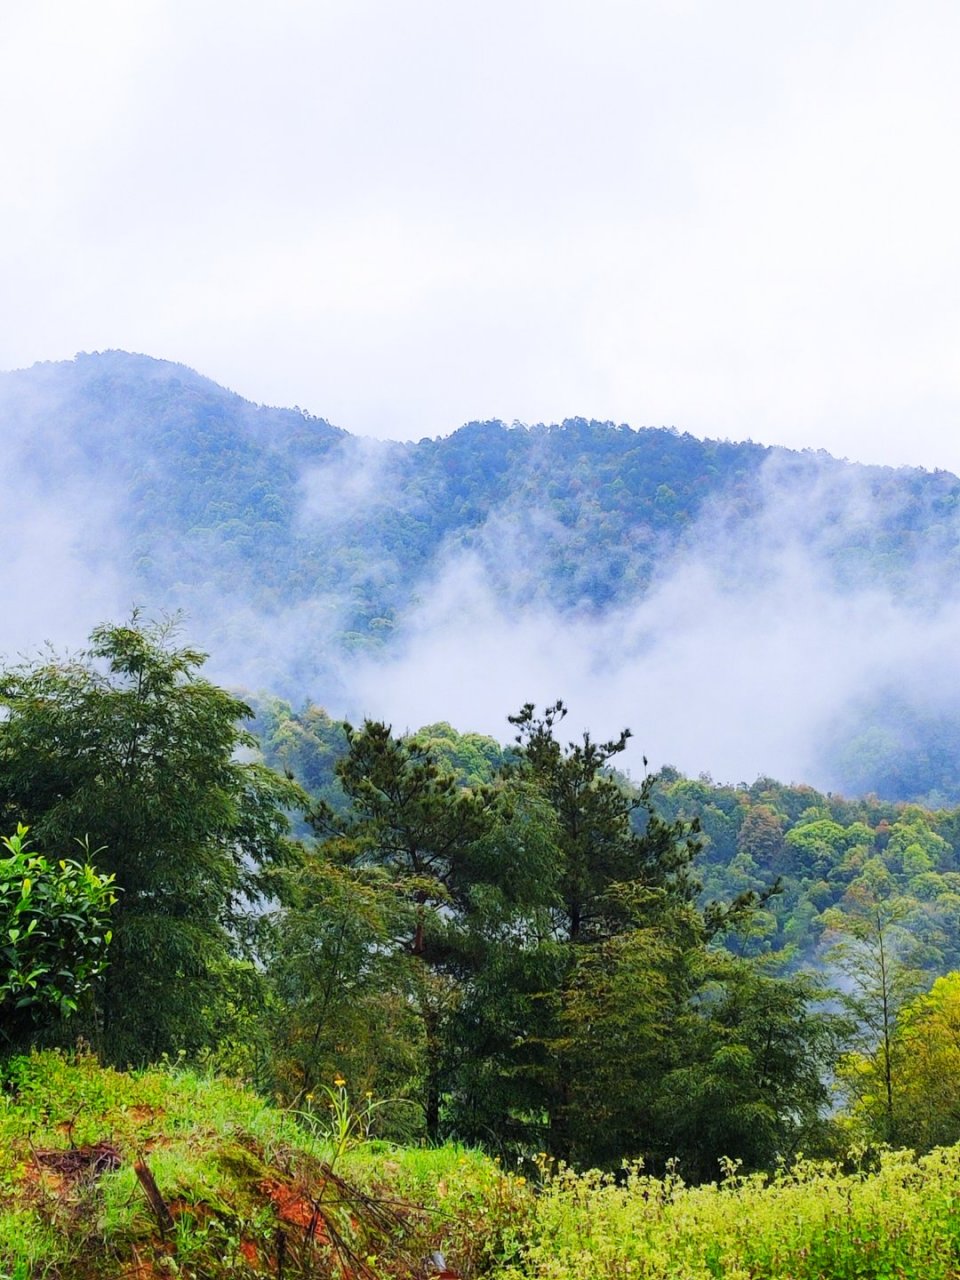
<point x="241" y="1183"/>
<point x="221" y="500"/>
<point x="578" y="999"/>
<point x="754" y="1087"/>
<point x="605" y="835"/>
<point x="603" y="1024"/>
<point x="809" y="1221"/>
<point x="129" y="746"/>
<point x="304" y="744"/>
<point x="472" y="758"/>
<point x="54" y="931"/>
<point x="828" y="857"/>
<point x="919" y="1058"/>
<point x="412" y="822"/>
<point x="510" y="940"/>
<point x="341" y="989"/>
<point x="409" y="817"/>
<point x="522" y="954"/>
<point x="614" y="933"/>
<point x="927" y="1051"/>
<point x="625" y="1022"/>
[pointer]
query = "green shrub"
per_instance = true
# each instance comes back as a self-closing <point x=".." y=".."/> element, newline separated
<point x="54" y="929"/>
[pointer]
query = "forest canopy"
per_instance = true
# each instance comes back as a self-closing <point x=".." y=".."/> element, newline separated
<point x="528" y="949"/>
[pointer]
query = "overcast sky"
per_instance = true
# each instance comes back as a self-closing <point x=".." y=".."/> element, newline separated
<point x="738" y="218"/>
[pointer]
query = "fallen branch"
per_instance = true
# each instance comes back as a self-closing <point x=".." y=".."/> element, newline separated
<point x="152" y="1192"/>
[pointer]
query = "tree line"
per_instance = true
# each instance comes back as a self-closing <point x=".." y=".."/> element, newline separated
<point x="518" y="951"/>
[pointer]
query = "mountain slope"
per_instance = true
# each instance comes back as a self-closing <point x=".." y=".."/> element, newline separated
<point x="297" y="549"/>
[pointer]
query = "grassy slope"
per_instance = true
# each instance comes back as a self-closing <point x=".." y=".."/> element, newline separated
<point x="248" y="1190"/>
<point x="249" y="1195"/>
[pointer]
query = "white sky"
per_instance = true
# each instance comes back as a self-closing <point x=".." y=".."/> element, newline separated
<point x="740" y="218"/>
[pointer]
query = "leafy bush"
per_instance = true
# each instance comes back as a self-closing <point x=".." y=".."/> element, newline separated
<point x="54" y="929"/>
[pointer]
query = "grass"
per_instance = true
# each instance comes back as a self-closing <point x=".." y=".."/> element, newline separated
<point x="241" y="1189"/>
<point x="245" y="1191"/>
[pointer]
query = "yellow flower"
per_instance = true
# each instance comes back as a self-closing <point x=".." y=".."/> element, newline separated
<point x="521" y="1182"/>
<point x="309" y="1097"/>
<point x="339" y="1081"/>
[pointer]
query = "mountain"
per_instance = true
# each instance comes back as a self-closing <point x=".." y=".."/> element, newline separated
<point x="299" y="551"/>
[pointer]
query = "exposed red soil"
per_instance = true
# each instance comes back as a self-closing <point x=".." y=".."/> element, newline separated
<point x="294" y="1207"/>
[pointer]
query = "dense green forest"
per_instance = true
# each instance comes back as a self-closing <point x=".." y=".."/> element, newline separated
<point x="297" y="550"/>
<point x="532" y="951"/>
<point x="276" y="494"/>
<point x="506" y="1004"/>
<point x="821" y="853"/>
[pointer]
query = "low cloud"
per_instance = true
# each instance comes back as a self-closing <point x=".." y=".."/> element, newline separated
<point x="53" y="584"/>
<point x="738" y="662"/>
<point x="350" y="484"/>
<point x="787" y="612"/>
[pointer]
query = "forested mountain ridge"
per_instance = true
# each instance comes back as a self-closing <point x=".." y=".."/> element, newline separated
<point x="499" y="945"/>
<point x="297" y="549"/>
<point x="283" y="493"/>
<point x="196" y="464"/>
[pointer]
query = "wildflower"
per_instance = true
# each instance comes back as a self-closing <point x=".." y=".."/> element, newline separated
<point x="521" y="1182"/>
<point x="339" y="1081"/>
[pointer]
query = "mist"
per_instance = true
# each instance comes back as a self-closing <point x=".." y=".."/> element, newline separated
<point x="52" y="590"/>
<point x="766" y="640"/>
<point x="742" y="661"/>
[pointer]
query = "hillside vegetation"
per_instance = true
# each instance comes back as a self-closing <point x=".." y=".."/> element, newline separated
<point x="296" y="549"/>
<point x="826" y="855"/>
<point x="531" y="952"/>
<point x="508" y="1004"/>
<point x="205" y="483"/>
<point x="642" y="1008"/>
<point x="169" y="1173"/>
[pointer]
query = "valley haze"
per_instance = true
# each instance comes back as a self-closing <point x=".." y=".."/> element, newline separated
<point x="745" y="610"/>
